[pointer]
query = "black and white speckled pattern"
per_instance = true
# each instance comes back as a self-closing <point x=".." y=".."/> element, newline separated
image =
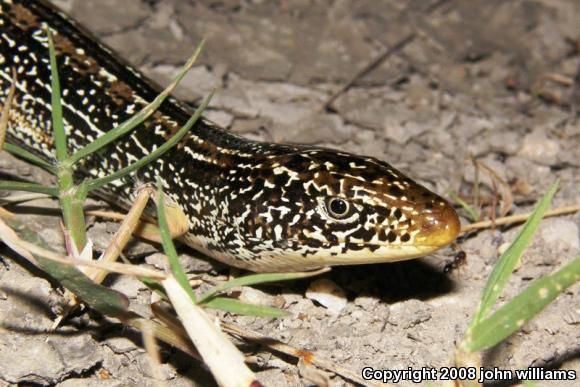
<point x="255" y="205"/>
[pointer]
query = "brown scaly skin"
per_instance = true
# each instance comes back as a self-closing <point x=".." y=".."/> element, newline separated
<point x="254" y="205"/>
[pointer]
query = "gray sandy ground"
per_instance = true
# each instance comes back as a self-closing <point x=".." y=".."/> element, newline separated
<point x="467" y="85"/>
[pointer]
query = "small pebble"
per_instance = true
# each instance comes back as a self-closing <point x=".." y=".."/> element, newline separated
<point x="157" y="260"/>
<point x="255" y="297"/>
<point x="327" y="294"/>
<point x="572" y="315"/>
<point x="561" y="231"/>
<point x="538" y="147"/>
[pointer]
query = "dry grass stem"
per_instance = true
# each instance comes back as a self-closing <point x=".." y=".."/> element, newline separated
<point x="27" y="250"/>
<point x="5" y="214"/>
<point x="12" y="240"/>
<point x="111" y="215"/>
<point x="22" y="198"/>
<point x="506" y="192"/>
<point x="517" y="218"/>
<point x="226" y="362"/>
<point x="123" y="234"/>
<point x="168" y="329"/>
<point x="178" y="223"/>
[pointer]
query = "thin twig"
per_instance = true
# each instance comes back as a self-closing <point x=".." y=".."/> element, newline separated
<point x="476" y="204"/>
<point x="382" y="57"/>
<point x="506" y="193"/>
<point x="517" y="218"/>
<point x="123" y="234"/>
<point x="575" y="96"/>
<point x="369" y="67"/>
<point x="153" y="354"/>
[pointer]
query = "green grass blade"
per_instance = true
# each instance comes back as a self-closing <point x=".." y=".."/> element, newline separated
<point x="9" y="185"/>
<point x="30" y="157"/>
<point x="138" y="118"/>
<point x="238" y="307"/>
<point x="470" y="210"/>
<point x="155" y="287"/>
<point x="105" y="300"/>
<point x="522" y="308"/>
<point x="97" y="183"/>
<point x="57" y="122"/>
<point x="101" y="298"/>
<point x="256" y="279"/>
<point x="508" y="260"/>
<point x="169" y="247"/>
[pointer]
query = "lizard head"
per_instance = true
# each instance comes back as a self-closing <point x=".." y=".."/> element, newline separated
<point x="317" y="207"/>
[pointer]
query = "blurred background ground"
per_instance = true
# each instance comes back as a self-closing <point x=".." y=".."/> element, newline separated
<point x="492" y="80"/>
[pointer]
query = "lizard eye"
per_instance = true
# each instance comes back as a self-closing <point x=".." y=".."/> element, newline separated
<point x="337" y="208"/>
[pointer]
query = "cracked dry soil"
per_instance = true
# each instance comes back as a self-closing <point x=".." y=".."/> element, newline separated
<point x="474" y="81"/>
